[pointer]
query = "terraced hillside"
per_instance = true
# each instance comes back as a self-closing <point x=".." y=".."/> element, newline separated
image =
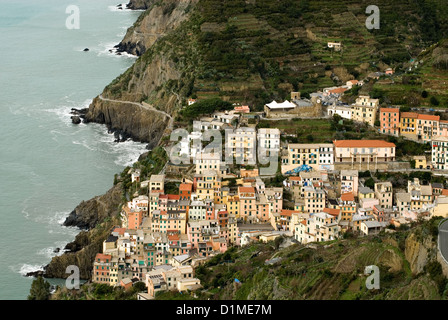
<point x="425" y="82"/>
<point x="254" y="51"/>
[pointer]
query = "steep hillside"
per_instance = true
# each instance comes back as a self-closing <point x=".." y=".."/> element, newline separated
<point x="254" y="51"/>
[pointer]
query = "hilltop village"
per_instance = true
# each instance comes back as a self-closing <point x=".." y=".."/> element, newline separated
<point x="178" y="219"/>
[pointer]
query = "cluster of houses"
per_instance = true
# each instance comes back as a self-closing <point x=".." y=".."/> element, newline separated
<point x="164" y="235"/>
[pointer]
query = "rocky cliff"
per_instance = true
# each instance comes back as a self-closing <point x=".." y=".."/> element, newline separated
<point x="97" y="216"/>
<point x="81" y="252"/>
<point x="141" y="102"/>
<point x="94" y="211"/>
<point x="153" y="24"/>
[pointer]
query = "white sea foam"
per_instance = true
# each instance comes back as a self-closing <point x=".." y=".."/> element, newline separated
<point x="124" y="8"/>
<point x="49" y="252"/>
<point x="108" y="48"/>
<point x="26" y="268"/>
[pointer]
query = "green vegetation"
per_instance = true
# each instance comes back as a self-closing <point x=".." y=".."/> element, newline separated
<point x="149" y="164"/>
<point x="207" y="106"/>
<point x="40" y="289"/>
<point x="96" y="291"/>
<point x="255" y="51"/>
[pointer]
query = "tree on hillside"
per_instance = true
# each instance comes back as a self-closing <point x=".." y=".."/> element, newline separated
<point x="40" y="289"/>
<point x="434" y="101"/>
<point x="207" y="106"/>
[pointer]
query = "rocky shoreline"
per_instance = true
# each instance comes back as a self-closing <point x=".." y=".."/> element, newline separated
<point x="95" y="217"/>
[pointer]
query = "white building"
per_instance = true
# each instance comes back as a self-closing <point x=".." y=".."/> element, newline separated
<point x="269" y="139"/>
<point x="326" y="156"/>
<point x="241" y="145"/>
<point x="318" y="227"/>
<point x="439" y="155"/>
<point x="343" y="111"/>
<point x="207" y="161"/>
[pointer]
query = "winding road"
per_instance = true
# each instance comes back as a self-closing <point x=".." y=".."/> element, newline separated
<point x="443" y="239"/>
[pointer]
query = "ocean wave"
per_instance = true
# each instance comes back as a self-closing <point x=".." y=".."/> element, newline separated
<point x="25" y="268"/>
<point x="123" y="8"/>
<point x="63" y="111"/>
<point x="49" y="252"/>
<point x="108" y="48"/>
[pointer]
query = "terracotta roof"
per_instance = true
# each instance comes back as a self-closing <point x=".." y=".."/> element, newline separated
<point x="173" y="197"/>
<point x="295" y="178"/>
<point x="120" y="230"/>
<point x="185" y="186"/>
<point x="288" y="213"/>
<point x="338" y="90"/>
<point x="173" y="237"/>
<point x="390" y="110"/>
<point x="412" y="115"/>
<point x="445" y="192"/>
<point x="333" y="212"/>
<point x="103" y="256"/>
<point x="363" y="143"/>
<point x="348" y="196"/>
<point x="246" y="189"/>
<point x="428" y="117"/>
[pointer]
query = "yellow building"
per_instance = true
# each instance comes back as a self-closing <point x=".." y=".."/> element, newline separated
<point x="408" y="123"/>
<point x="365" y="110"/>
<point x="420" y="162"/>
<point x="233" y="205"/>
<point x="302" y="154"/>
<point x="209" y="186"/>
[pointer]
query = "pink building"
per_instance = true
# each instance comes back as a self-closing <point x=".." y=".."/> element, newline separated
<point x="242" y="109"/>
<point x="390" y="121"/>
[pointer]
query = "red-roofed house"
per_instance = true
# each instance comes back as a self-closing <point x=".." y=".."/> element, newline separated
<point x="334" y="212"/>
<point x="363" y="152"/>
<point x="101" y="268"/>
<point x="185" y="190"/>
<point x="248" y="206"/>
<point x="348" y="206"/>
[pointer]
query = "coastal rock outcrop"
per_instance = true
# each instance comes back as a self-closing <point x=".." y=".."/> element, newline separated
<point x="82" y="252"/>
<point x="75" y="119"/>
<point x="139" y="4"/>
<point x="92" y="212"/>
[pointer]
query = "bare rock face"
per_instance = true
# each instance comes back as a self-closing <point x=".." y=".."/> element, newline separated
<point x="418" y="253"/>
<point x="119" y="106"/>
<point x="155" y="23"/>
<point x="89" y="213"/>
<point x="83" y="251"/>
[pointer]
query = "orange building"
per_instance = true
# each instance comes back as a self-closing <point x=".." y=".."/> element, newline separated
<point x="101" y="268"/>
<point x="390" y="121"/>
<point x="347" y="206"/>
<point x="135" y="219"/>
<point x="185" y="190"/>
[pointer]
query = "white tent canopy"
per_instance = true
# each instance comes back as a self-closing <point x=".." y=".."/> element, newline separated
<point x="284" y="105"/>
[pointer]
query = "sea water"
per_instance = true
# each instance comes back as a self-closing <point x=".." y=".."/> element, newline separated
<point x="47" y="164"/>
